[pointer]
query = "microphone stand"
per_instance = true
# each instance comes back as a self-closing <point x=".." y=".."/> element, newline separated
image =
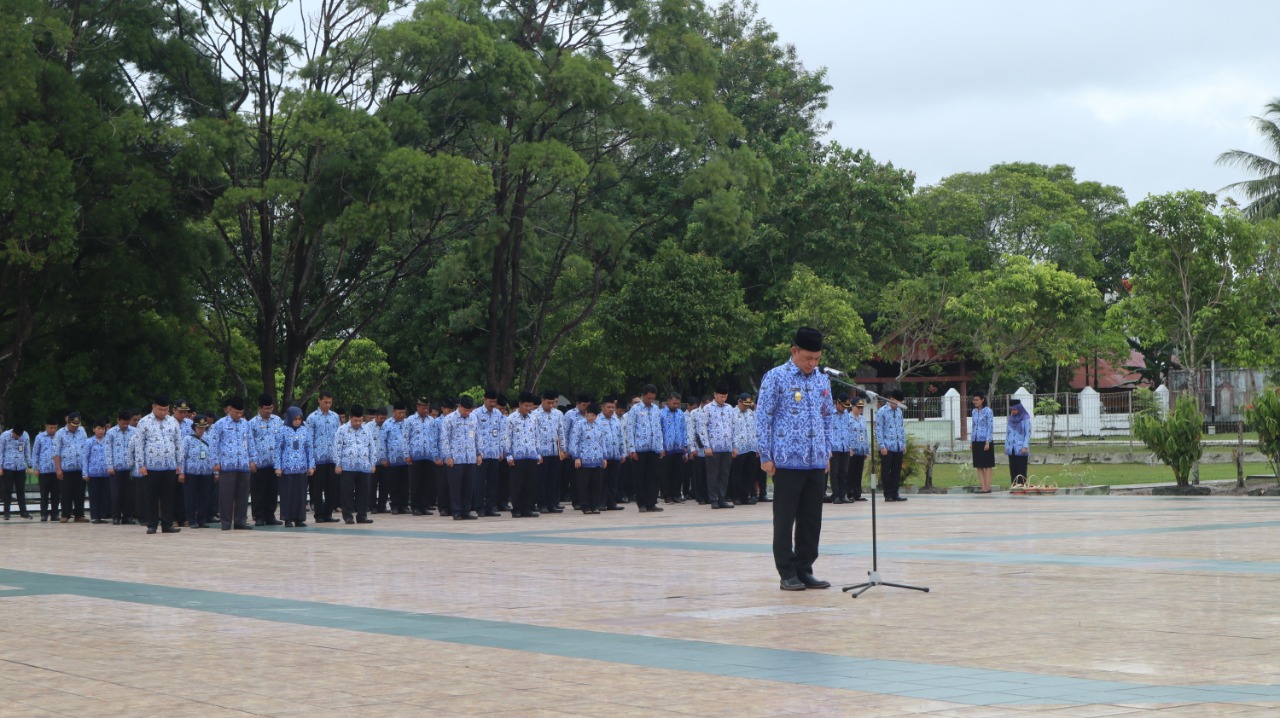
<point x="873" y="576"/>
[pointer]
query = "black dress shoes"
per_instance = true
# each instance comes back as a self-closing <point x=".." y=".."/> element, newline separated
<point x="242" y="527"/>
<point x="858" y="498"/>
<point x="791" y="584"/>
<point x="655" y="508"/>
<point x="808" y="580"/>
<point x="151" y="529"/>
<point x="170" y="530"/>
<point x="364" y="521"/>
<point x="726" y="504"/>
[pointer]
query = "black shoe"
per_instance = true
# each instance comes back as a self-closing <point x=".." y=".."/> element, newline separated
<point x="791" y="584"/>
<point x="491" y="512"/>
<point x="300" y="524"/>
<point x="726" y="504"/>
<point x="242" y="527"/>
<point x="202" y="525"/>
<point x="226" y="527"/>
<point x="858" y="498"/>
<point x="766" y="500"/>
<point x="273" y="522"/>
<point x="715" y="505"/>
<point x="554" y="510"/>
<point x="288" y="524"/>
<point x="428" y="512"/>
<point x="364" y="521"/>
<point x="838" y="500"/>
<point x="170" y="530"/>
<point x="615" y="508"/>
<point x="811" y="581"/>
<point x="471" y="515"/>
<point x="826" y="499"/>
<point x="655" y="508"/>
<point x="259" y="523"/>
<point x="416" y="512"/>
<point x="457" y="517"/>
<point x="751" y="501"/>
<point x="899" y="498"/>
<point x="151" y="529"/>
<point x="348" y="521"/>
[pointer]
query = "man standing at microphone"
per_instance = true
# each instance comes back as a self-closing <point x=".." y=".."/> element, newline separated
<point x="793" y="427"/>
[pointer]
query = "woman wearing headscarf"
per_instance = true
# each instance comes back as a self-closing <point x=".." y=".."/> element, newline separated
<point x="294" y="461"/>
<point x="984" y="455"/>
<point x="1017" y="439"/>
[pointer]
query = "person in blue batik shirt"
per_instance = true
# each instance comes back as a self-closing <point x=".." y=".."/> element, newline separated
<point x="294" y="462"/>
<point x="197" y="469"/>
<point x="860" y="444"/>
<point x="587" y="446"/>
<point x="645" y="439"/>
<point x="264" y="486"/>
<point x="326" y="494"/>
<point x="46" y="473"/>
<point x="520" y="446"/>
<point x="120" y="466"/>
<point x="68" y="462"/>
<point x="235" y="458"/>
<point x="793" y="429"/>
<point x="715" y="432"/>
<point x="461" y="448"/>
<point x="1017" y="440"/>
<point x="615" y="452"/>
<point x="550" y="425"/>
<point x="355" y="453"/>
<point x="980" y="436"/>
<point x="417" y="436"/>
<point x="891" y="435"/>
<point x="841" y="453"/>
<point x="675" y="441"/>
<point x="15" y="459"/>
<point x="489" y="421"/>
<point x="746" y="465"/>
<point x="95" y="471"/>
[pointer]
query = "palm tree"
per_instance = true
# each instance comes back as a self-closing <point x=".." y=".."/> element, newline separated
<point x="1263" y="192"/>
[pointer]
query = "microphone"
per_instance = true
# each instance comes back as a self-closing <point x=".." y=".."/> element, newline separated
<point x="831" y="371"/>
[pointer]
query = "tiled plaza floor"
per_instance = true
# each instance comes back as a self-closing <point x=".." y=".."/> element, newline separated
<point x="1062" y="606"/>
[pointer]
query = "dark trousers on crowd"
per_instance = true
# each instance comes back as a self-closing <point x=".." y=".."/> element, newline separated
<point x="233" y="498"/>
<point x="99" y="498"/>
<point x="197" y="489"/>
<point x="160" y="488"/>
<point x="486" y="488"/>
<point x="293" y="498"/>
<point x="891" y="469"/>
<point x="50" y="495"/>
<point x="462" y="479"/>
<point x="1017" y="466"/>
<point x="398" y="480"/>
<point x="719" y="464"/>
<point x="524" y="487"/>
<point x="324" y="492"/>
<point x="746" y="467"/>
<point x="673" y="468"/>
<point x="264" y="490"/>
<point x="609" y="486"/>
<point x="443" y="500"/>
<point x="797" y="511"/>
<point x="504" y="485"/>
<point x="627" y="486"/>
<point x="379" y="489"/>
<point x="698" y="474"/>
<point x="839" y="475"/>
<point x="549" y="482"/>
<point x="122" y="495"/>
<point x="857" y="466"/>
<point x="648" y="469"/>
<point x="590" y="481"/>
<point x="422" y="486"/>
<point x="567" y="474"/>
<point x="14" y="481"/>
<point x="355" y="487"/>
<point x="140" y="495"/>
<point x="690" y="476"/>
<point x="73" y="494"/>
<point x="179" y="507"/>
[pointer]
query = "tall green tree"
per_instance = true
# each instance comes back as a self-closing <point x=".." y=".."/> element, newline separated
<point x="1263" y="190"/>
<point x="915" y="320"/>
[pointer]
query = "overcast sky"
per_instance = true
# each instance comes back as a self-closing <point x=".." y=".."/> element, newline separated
<point x="1143" y="95"/>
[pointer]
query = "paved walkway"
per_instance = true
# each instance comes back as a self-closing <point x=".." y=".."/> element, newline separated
<point x="1063" y="606"/>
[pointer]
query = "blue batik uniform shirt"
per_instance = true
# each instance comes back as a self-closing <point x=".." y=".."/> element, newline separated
<point x="42" y="453"/>
<point x="716" y="427"/>
<point x="793" y="418"/>
<point x="568" y="423"/>
<point x="693" y="420"/>
<point x="418" y="433"/>
<point x="15" y="452"/>
<point x="859" y="439"/>
<point x="983" y="422"/>
<point x="458" y="438"/>
<point x="322" y="427"/>
<point x="520" y="437"/>
<point x="293" y="453"/>
<point x="489" y="432"/>
<point x="354" y="449"/>
<point x="675" y="433"/>
<point x="157" y="444"/>
<point x="1017" y="437"/>
<point x="587" y="443"/>
<point x="841" y="432"/>
<point x="614" y="446"/>
<point x="891" y="433"/>
<point x="395" y="450"/>
<point x="232" y="445"/>
<point x="265" y="433"/>
<point x="95" y="457"/>
<point x="118" y="455"/>
<point x="744" y="431"/>
<point x="69" y="446"/>
<point x="548" y="430"/>
<point x="196" y="458"/>
<point x="646" y="427"/>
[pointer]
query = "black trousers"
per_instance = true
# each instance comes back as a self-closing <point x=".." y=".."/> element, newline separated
<point x="719" y="465"/>
<point x="355" y="494"/>
<point x="565" y="489"/>
<point x="504" y="484"/>
<point x="461" y="481"/>
<point x="50" y="495"/>
<point x="443" y="499"/>
<point x="609" y="489"/>
<point x="797" y="511"/>
<point x="122" y="495"/>
<point x="839" y="474"/>
<point x="14" y="481"/>
<point x="524" y="487"/>
<point x="73" y="494"/>
<point x="198" y="489"/>
<point x="325" y="498"/>
<point x="99" y="498"/>
<point x="178" y="508"/>
<point x="160" y="488"/>
<point x="486" y="488"/>
<point x="627" y="489"/>
<point x="891" y="470"/>
<point x="673" y="469"/>
<point x="398" y="479"/>
<point x="857" y="467"/>
<point x="549" y="482"/>
<point x="379" y="489"/>
<point x="648" y="468"/>
<point x="422" y="485"/>
<point x="746" y="467"/>
<point x="1018" y="466"/>
<point x="233" y="498"/>
<point x="264" y="493"/>
<point x="590" y="481"/>
<point x="293" y="497"/>
<point x="698" y="472"/>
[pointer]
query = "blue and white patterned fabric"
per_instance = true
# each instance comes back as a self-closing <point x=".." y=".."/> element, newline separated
<point x="520" y="436"/>
<point x="675" y="432"/>
<point x="588" y="443"/>
<point x="323" y="428"/>
<point x="983" y="423"/>
<point x="157" y="444"/>
<point x="197" y="460"/>
<point x="231" y="444"/>
<point x="568" y="422"/>
<point x="1017" y="436"/>
<point x="118" y="454"/>
<point x="860" y="438"/>
<point x="744" y="431"/>
<point x="42" y="453"/>
<point x="615" y="445"/>
<point x="891" y="432"/>
<point x="458" y="440"/>
<point x="354" y="449"/>
<point x="646" y="427"/>
<point x="489" y="432"/>
<point x="395" y="450"/>
<point x="293" y="454"/>
<point x="95" y="457"/>
<point x="841" y="431"/>
<point x="15" y="451"/>
<point x="418" y="435"/>
<point x="793" y="418"/>
<point x="266" y="433"/>
<point x="69" y="445"/>
<point x="548" y="430"/>
<point x="716" y="427"/>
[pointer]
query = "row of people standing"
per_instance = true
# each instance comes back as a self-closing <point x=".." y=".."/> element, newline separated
<point x="1017" y="441"/>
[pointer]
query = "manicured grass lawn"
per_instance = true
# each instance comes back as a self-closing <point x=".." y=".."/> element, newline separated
<point x="948" y="475"/>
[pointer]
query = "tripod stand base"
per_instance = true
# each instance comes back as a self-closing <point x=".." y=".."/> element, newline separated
<point x="873" y="580"/>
